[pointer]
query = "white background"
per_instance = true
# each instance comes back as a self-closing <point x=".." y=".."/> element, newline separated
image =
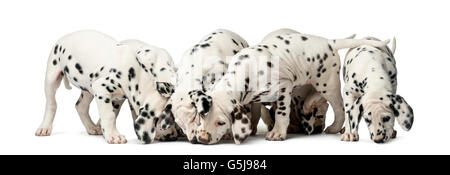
<point x="28" y="30"/>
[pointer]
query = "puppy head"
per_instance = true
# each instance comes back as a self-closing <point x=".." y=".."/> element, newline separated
<point x="313" y="116"/>
<point x="224" y="116"/>
<point x="379" y="112"/>
<point x="181" y="111"/>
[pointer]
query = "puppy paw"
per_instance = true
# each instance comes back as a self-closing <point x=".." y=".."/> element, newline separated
<point x="276" y="135"/>
<point x="116" y="139"/>
<point x="350" y="137"/>
<point x="43" y="131"/>
<point x="94" y="130"/>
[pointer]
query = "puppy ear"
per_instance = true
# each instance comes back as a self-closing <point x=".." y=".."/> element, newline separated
<point x="145" y="125"/>
<point x="201" y="101"/>
<point x="147" y="57"/>
<point x="241" y="125"/>
<point x="167" y="118"/>
<point x="165" y="89"/>
<point x="402" y="111"/>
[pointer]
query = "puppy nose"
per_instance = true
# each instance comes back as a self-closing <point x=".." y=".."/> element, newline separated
<point x="194" y="140"/>
<point x="204" y="138"/>
<point x="379" y="141"/>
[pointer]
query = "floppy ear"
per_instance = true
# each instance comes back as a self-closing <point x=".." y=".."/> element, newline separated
<point x="241" y="125"/>
<point x="147" y="57"/>
<point x="165" y="89"/>
<point x="145" y="125"/>
<point x="402" y="111"/>
<point x="167" y="118"/>
<point x="157" y="62"/>
<point x="201" y="102"/>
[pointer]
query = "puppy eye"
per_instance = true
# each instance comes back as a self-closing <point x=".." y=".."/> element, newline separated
<point x="221" y="123"/>
<point x="386" y="119"/>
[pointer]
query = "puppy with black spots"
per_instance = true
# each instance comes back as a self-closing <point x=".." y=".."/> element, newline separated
<point x="201" y="67"/>
<point x="308" y="112"/>
<point x="110" y="72"/>
<point x="370" y="92"/>
<point x="269" y="71"/>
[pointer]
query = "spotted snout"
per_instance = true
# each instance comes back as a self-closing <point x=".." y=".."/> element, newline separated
<point x="382" y="136"/>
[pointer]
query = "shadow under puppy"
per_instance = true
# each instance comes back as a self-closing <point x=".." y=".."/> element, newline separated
<point x="110" y="72"/>
<point x="370" y="77"/>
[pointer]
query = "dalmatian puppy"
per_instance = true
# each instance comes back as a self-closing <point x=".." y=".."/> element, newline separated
<point x="110" y="72"/>
<point x="201" y="67"/>
<point x="268" y="72"/>
<point x="308" y="112"/>
<point x="370" y="77"/>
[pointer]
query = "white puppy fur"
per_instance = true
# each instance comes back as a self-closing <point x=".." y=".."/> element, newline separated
<point x="110" y="72"/>
<point x="201" y="67"/>
<point x="269" y="71"/>
<point x="370" y="77"/>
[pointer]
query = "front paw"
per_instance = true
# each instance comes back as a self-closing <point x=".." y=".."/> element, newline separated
<point x="276" y="135"/>
<point x="43" y="131"/>
<point x="350" y="137"/>
<point x="115" y="138"/>
<point x="94" y="130"/>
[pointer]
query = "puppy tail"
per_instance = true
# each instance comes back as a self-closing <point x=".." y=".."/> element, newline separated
<point x="338" y="44"/>
<point x="351" y="36"/>
<point x="66" y="83"/>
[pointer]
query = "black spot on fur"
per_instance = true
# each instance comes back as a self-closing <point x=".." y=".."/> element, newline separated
<point x="78" y="67"/>
<point x="205" y="45"/>
<point x="131" y="73"/>
<point x="234" y="41"/>
<point x="66" y="69"/>
<point x="55" y="51"/>
<point x="287" y="42"/>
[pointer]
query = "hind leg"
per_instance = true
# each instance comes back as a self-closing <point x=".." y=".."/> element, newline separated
<point x="332" y="93"/>
<point x="82" y="107"/>
<point x="52" y="82"/>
